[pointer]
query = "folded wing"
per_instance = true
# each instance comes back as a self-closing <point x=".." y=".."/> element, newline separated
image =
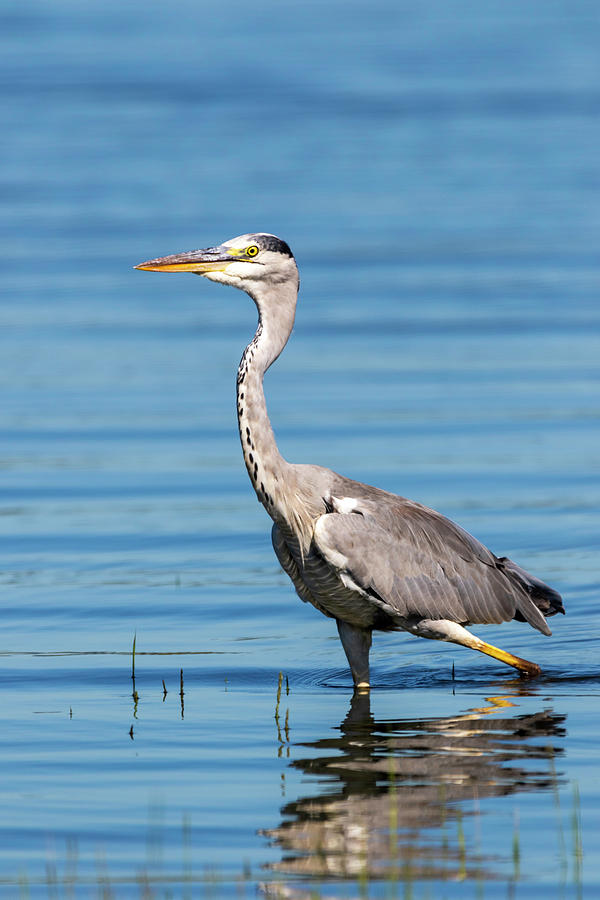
<point x="416" y="564"/>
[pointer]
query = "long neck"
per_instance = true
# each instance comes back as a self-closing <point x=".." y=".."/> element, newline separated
<point x="269" y="472"/>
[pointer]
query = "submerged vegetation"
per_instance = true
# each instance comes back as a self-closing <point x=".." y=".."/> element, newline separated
<point x="384" y="808"/>
<point x="398" y="864"/>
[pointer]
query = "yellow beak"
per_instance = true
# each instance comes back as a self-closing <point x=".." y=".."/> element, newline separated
<point x="214" y="259"/>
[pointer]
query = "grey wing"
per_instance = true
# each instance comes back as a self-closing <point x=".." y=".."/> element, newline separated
<point x="416" y="564"/>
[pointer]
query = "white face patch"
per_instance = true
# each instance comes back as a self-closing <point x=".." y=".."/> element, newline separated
<point x="240" y="268"/>
<point x="220" y="277"/>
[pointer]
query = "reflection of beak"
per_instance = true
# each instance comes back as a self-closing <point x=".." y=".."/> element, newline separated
<point x="215" y="259"/>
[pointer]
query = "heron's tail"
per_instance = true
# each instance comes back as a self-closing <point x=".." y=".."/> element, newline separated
<point x="534" y="593"/>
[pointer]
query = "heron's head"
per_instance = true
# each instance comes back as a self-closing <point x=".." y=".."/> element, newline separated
<point x="247" y="262"/>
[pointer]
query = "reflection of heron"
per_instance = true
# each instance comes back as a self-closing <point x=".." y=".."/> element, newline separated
<point x="369" y="559"/>
<point x="387" y="797"/>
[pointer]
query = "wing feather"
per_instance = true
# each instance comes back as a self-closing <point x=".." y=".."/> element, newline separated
<point x="420" y="564"/>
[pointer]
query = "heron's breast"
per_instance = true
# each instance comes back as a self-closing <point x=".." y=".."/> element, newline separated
<point x="330" y="593"/>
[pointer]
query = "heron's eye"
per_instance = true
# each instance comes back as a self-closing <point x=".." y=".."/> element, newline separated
<point x="252" y="251"/>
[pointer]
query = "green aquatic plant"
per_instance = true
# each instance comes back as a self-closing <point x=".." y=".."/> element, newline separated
<point x="516" y="848"/>
<point x="134" y="692"/>
<point x="279" y="686"/>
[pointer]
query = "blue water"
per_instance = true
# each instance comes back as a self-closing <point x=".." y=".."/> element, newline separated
<point x="436" y="173"/>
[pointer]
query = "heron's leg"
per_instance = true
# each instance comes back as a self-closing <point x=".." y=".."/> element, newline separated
<point x="356" y="643"/>
<point x="444" y="630"/>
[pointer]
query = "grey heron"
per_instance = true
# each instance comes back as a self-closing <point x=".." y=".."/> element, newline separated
<point x="370" y="559"/>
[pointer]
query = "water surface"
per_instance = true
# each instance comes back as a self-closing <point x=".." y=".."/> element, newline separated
<point x="436" y="176"/>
